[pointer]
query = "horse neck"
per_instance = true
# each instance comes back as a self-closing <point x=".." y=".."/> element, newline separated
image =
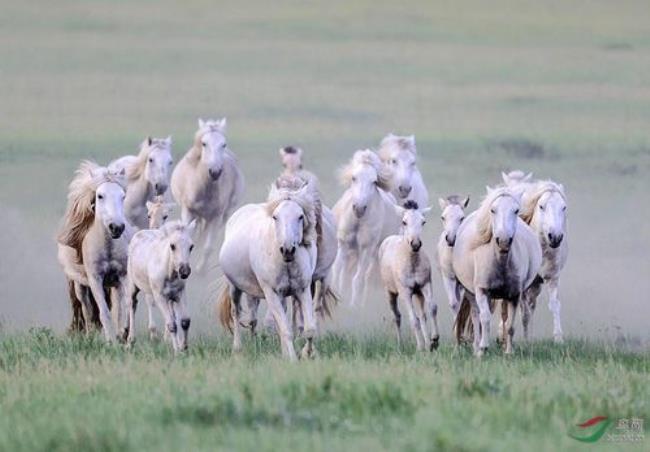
<point x="139" y="190"/>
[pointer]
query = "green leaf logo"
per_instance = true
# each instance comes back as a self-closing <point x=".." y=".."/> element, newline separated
<point x="591" y="430"/>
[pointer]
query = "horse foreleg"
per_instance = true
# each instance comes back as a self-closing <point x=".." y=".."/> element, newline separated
<point x="431" y="307"/>
<point x="118" y="303"/>
<point x="308" y="314"/>
<point x="170" y="322"/>
<point x="297" y="319"/>
<point x="450" y="289"/>
<point x="554" y="306"/>
<point x="97" y="289"/>
<point x="182" y="319"/>
<point x="209" y="230"/>
<point x="253" y="306"/>
<point x="132" y="304"/>
<point x="83" y="295"/>
<point x="485" y="315"/>
<point x="407" y="300"/>
<point x="359" y="277"/>
<point x="509" y="324"/>
<point x="529" y="301"/>
<point x="282" y="323"/>
<point x="151" y="322"/>
<point x="397" y="317"/>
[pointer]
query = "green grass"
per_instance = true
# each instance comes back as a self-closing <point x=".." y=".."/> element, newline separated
<point x="62" y="393"/>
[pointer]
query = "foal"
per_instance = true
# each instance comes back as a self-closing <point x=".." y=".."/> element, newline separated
<point x="158" y="266"/>
<point x="406" y="275"/>
<point x="453" y="214"/>
<point x="158" y="211"/>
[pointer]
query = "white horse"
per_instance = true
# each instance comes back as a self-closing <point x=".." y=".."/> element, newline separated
<point x="453" y="213"/>
<point x="269" y="252"/>
<point x="93" y="244"/>
<point x="365" y="216"/>
<point x="158" y="266"/>
<point x="406" y="276"/>
<point x="147" y="176"/>
<point x="496" y="256"/>
<point x="158" y="212"/>
<point x="544" y="206"/>
<point x="207" y="183"/>
<point x="399" y="154"/>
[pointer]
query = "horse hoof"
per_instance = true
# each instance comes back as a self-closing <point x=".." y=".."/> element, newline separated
<point x="435" y="342"/>
<point x="558" y="340"/>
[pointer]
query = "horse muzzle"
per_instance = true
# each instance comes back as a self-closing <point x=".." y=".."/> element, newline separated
<point x="116" y="229"/>
<point x="450" y="239"/>
<point x="504" y="244"/>
<point x="184" y="271"/>
<point x="555" y="240"/>
<point x="215" y="174"/>
<point x="160" y="189"/>
<point x="288" y="253"/>
<point x="359" y="211"/>
<point x="416" y="245"/>
<point x="404" y="190"/>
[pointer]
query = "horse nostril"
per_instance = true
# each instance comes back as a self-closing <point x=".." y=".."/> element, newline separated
<point x="510" y="240"/>
<point x="292" y="250"/>
<point x="550" y="236"/>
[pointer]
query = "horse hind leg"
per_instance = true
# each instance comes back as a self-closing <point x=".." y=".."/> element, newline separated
<point x="509" y="324"/>
<point x="397" y="317"/>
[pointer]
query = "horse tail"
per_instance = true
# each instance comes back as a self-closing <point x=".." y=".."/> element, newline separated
<point x="329" y="298"/>
<point x="224" y="307"/>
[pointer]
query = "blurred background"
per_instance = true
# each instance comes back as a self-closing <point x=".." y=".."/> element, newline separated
<point x="558" y="88"/>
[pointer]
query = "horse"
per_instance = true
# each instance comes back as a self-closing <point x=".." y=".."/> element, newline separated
<point x="159" y="266"/>
<point x="544" y="206"/>
<point x="453" y="213"/>
<point x="496" y="256"/>
<point x="406" y="276"/>
<point x="207" y="183"/>
<point x="147" y="176"/>
<point x="93" y="243"/>
<point x="158" y="212"/>
<point x="269" y="251"/>
<point x="399" y="154"/>
<point x="365" y="215"/>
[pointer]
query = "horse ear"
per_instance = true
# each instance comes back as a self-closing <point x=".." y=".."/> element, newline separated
<point x="149" y="205"/>
<point x="528" y="177"/>
<point x="561" y="187"/>
<point x="149" y="140"/>
<point x="466" y="202"/>
<point x="426" y="210"/>
<point x="122" y="172"/>
<point x="399" y="210"/>
<point x="168" y="140"/>
<point x="505" y="177"/>
<point x="488" y="189"/>
<point x="442" y="203"/>
<point x="222" y="123"/>
<point x="411" y="140"/>
<point x="201" y="123"/>
<point x="191" y="226"/>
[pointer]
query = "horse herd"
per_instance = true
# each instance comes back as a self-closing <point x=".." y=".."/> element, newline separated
<point x="116" y="242"/>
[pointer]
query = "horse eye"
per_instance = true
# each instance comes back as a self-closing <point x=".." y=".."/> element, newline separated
<point x="204" y="144"/>
<point x="541" y="207"/>
<point x="149" y="216"/>
<point x="302" y="217"/>
<point x="223" y="146"/>
<point x="394" y="162"/>
<point x="150" y="160"/>
<point x="100" y="196"/>
<point x="164" y="217"/>
<point x="275" y="218"/>
<point x="516" y="211"/>
<point x="423" y="222"/>
<point x="404" y="222"/>
<point x="354" y="179"/>
<point x="563" y="208"/>
<point x="461" y="219"/>
<point x="173" y="247"/>
<point x="493" y="210"/>
<point x="191" y="248"/>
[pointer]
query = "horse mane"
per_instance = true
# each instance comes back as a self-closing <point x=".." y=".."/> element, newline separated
<point x="455" y="199"/>
<point x="300" y="191"/>
<point x="532" y="196"/>
<point x="391" y="141"/>
<point x="80" y="211"/>
<point x="135" y="170"/>
<point x="368" y="158"/>
<point x="483" y="217"/>
<point x="170" y="227"/>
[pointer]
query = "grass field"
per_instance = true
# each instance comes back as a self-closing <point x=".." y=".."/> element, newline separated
<point x="79" y="394"/>
<point x="555" y="87"/>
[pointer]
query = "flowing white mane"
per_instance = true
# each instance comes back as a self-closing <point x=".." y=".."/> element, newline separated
<point x="483" y="214"/>
<point x="367" y="158"/>
<point x="288" y="188"/>
<point x="532" y="196"/>
<point x="80" y="211"/>
<point x="391" y="142"/>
